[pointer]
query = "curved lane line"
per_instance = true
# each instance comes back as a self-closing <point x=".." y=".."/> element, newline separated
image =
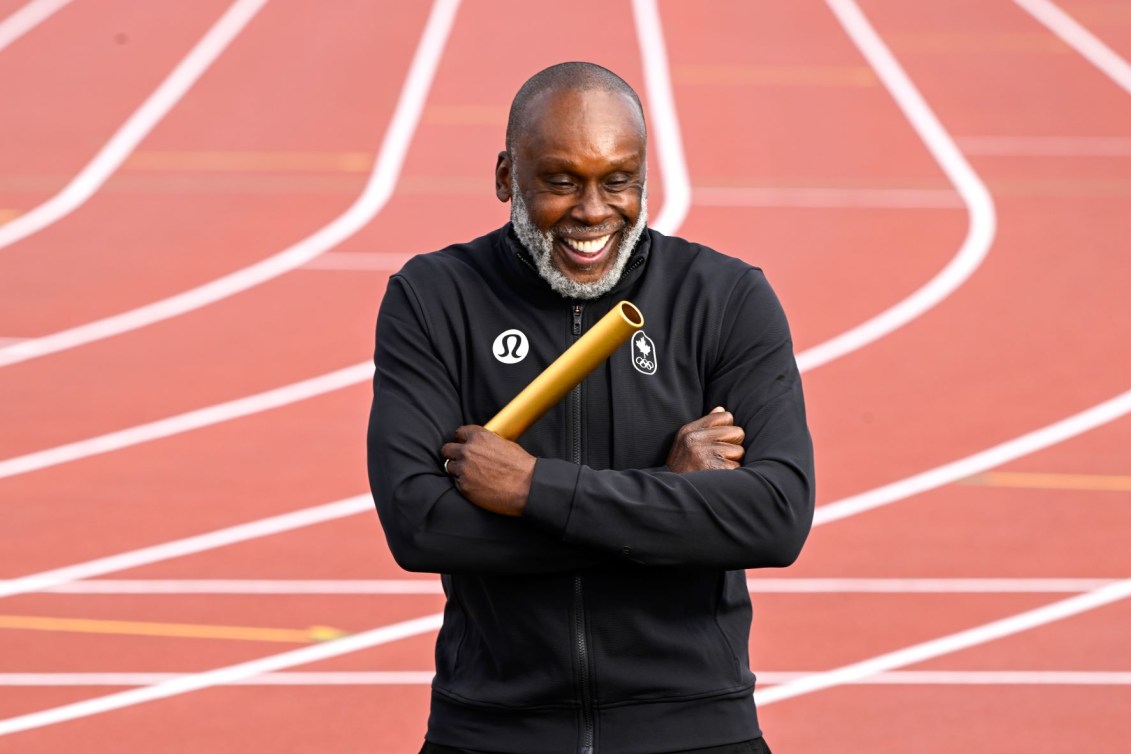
<point x="980" y="205"/>
<point x="264" y="527"/>
<point x="186" y="422"/>
<point x="971" y="637"/>
<point x="1119" y="71"/>
<point x="997" y="629"/>
<point x="1045" y="437"/>
<point x="1089" y="419"/>
<point x="661" y="101"/>
<point x="393" y="152"/>
<point x="674" y="169"/>
<point x="230" y="674"/>
<point x="139" y="125"/>
<point x="372" y="200"/>
<point x="1027" y="620"/>
<point x="667" y="134"/>
<point x="1022" y="446"/>
<point x="1080" y="39"/>
<point x="27" y="18"/>
<point x="1059" y="610"/>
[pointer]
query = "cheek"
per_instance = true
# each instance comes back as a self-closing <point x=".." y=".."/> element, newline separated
<point x="546" y="212"/>
<point x="629" y="206"/>
<point x="632" y="206"/>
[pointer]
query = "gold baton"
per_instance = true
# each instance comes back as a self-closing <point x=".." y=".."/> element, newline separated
<point x="567" y="371"/>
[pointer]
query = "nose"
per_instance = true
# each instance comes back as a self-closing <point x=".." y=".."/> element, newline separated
<point x="592" y="206"/>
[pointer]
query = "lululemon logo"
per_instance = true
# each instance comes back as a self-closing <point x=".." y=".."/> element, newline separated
<point x="644" y="354"/>
<point x="510" y="347"/>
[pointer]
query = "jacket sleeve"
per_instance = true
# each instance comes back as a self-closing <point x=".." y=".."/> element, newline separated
<point x="429" y="525"/>
<point x="755" y="516"/>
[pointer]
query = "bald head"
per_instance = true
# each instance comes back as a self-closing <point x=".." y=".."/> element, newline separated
<point x="558" y="78"/>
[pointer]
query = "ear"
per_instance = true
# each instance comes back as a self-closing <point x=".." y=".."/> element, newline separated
<point x="503" y="177"/>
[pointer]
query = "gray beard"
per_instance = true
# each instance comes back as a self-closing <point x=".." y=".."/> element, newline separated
<point x="541" y="246"/>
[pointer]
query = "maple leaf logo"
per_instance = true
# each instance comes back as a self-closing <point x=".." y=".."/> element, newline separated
<point x="643" y="346"/>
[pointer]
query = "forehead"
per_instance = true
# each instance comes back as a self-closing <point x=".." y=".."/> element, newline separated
<point x="575" y="125"/>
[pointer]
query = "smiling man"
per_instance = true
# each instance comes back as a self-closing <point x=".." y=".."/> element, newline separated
<point x="597" y="600"/>
<point x="581" y="245"/>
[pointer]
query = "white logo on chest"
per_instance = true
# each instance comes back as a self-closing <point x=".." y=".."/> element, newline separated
<point x="644" y="356"/>
<point x="510" y="347"/>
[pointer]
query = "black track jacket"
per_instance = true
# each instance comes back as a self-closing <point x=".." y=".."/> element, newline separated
<point x="614" y="616"/>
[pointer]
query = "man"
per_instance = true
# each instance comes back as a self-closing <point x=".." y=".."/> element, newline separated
<point x="593" y="569"/>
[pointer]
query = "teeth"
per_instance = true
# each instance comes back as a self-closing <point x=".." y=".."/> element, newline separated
<point x="588" y="247"/>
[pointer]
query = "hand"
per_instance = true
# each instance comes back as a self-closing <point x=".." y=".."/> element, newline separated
<point x="710" y="442"/>
<point x="491" y="472"/>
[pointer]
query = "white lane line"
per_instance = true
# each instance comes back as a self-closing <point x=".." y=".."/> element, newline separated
<point x="362" y="372"/>
<point x="294" y="678"/>
<point x="1026" y="444"/>
<point x="975" y="678"/>
<point x="233" y="673"/>
<point x="1035" y="441"/>
<point x="983" y="220"/>
<point x="136" y="128"/>
<point x="666" y="131"/>
<point x="27" y="18"/>
<point x="424" y="678"/>
<point x="954" y="471"/>
<point x="263" y="527"/>
<point x="372" y="261"/>
<point x="1080" y="39"/>
<point x="46" y="580"/>
<point x="288" y="587"/>
<point x="736" y="196"/>
<point x="372" y="200"/>
<point x="431" y="585"/>
<point x="948" y="644"/>
<point x="1046" y="146"/>
<point x="923" y="586"/>
<point x="191" y="683"/>
<point x="185" y="422"/>
<point x="666" y="134"/>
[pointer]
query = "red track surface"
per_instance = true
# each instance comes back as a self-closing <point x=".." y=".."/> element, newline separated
<point x="773" y="98"/>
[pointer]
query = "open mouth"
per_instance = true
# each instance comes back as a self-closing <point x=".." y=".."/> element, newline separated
<point x="589" y="252"/>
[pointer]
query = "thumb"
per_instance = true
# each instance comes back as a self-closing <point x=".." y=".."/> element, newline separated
<point x="717" y="410"/>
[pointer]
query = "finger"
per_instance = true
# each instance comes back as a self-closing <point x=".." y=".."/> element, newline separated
<point x="730" y="452"/>
<point x="452" y="451"/>
<point x="709" y="435"/>
<point x="717" y="419"/>
<point x="732" y="434"/>
<point x="717" y="409"/>
<point x="720" y="419"/>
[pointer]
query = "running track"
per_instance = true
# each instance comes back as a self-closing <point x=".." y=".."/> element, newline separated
<point x="939" y="193"/>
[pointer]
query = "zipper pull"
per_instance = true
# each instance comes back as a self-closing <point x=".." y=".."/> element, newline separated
<point x="577" y="319"/>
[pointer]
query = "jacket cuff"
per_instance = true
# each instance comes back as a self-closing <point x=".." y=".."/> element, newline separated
<point x="551" y="493"/>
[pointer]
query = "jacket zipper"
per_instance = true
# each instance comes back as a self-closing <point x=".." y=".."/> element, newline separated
<point x="578" y="594"/>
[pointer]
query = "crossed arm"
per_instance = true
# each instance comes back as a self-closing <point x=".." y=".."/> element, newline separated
<point x="495" y="474"/>
<point x="736" y="491"/>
